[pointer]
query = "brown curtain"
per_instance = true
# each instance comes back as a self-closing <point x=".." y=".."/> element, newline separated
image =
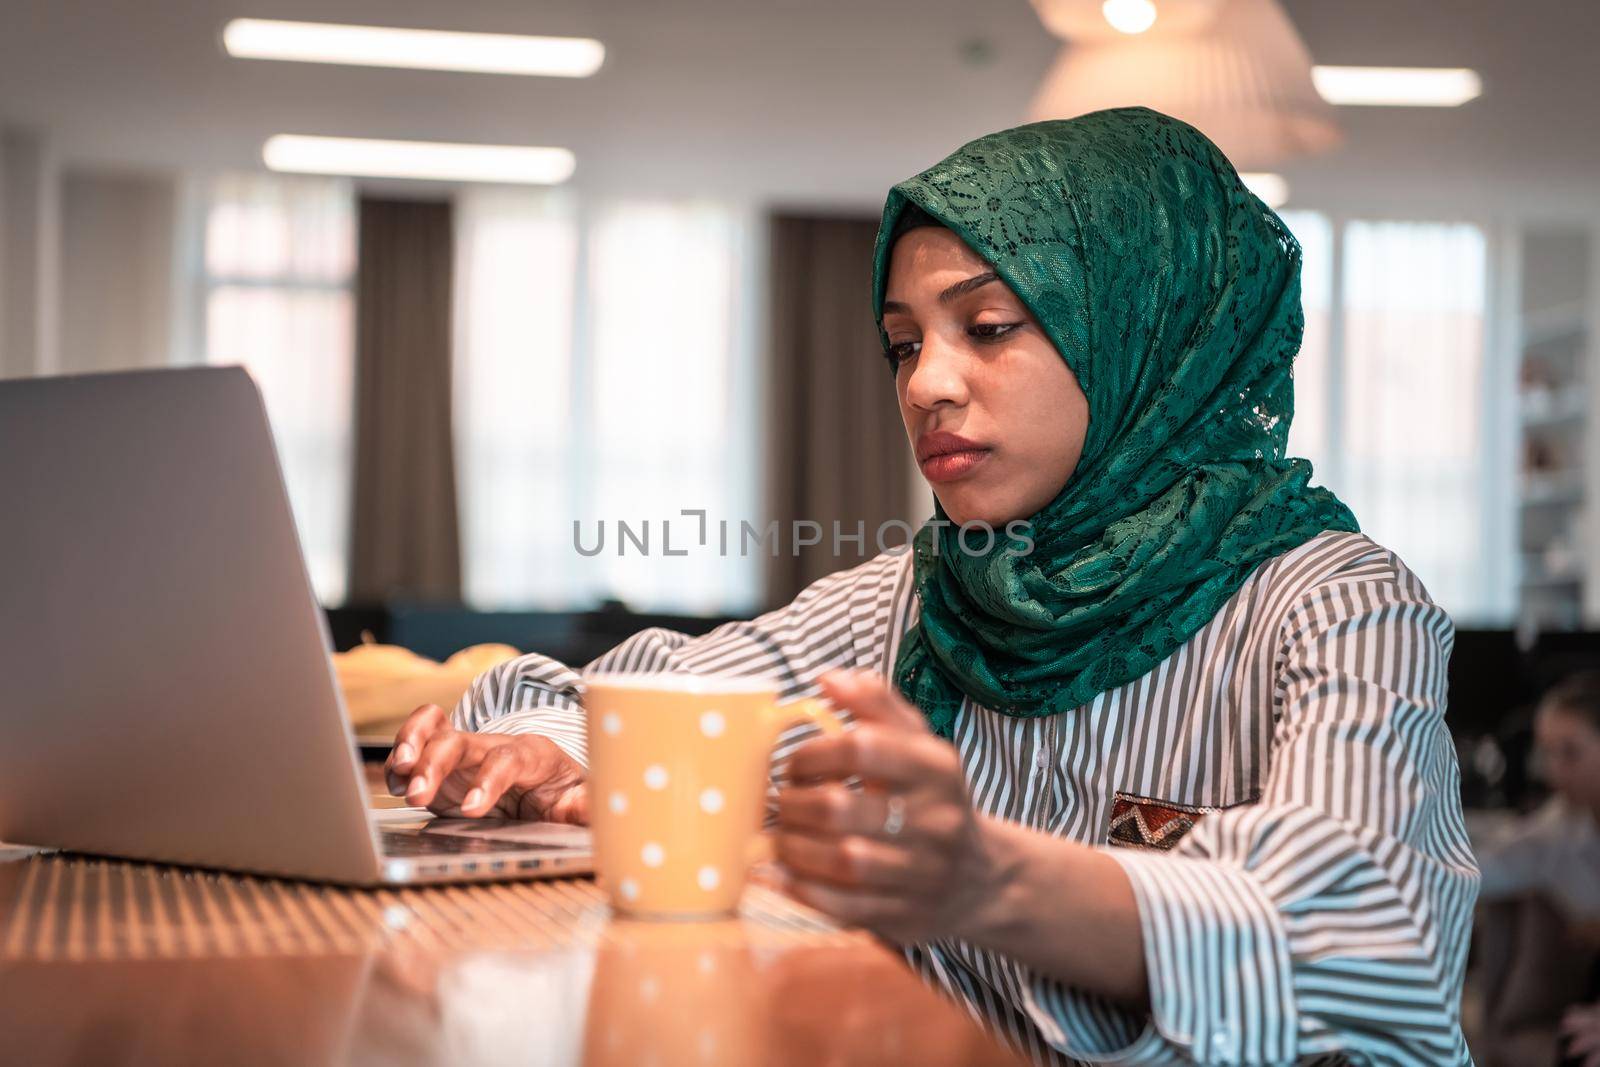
<point x="404" y="537"/>
<point x="837" y="451"/>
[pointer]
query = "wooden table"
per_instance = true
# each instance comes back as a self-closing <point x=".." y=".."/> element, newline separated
<point x="104" y="962"/>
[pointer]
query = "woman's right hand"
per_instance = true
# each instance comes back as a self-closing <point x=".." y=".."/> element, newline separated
<point x="453" y="772"/>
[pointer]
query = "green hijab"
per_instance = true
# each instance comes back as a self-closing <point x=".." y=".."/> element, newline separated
<point x="1173" y="294"/>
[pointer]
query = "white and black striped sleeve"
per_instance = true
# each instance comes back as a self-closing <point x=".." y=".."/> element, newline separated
<point x="1329" y="917"/>
<point x="531" y="694"/>
<point x="841" y="620"/>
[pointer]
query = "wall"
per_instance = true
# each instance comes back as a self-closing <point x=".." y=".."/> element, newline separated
<point x="117" y="271"/>
<point x="29" y="240"/>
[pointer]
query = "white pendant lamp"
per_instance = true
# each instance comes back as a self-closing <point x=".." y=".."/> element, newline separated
<point x="1094" y="20"/>
<point x="1243" y="78"/>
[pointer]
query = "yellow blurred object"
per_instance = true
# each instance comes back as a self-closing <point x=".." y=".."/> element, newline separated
<point x="382" y="684"/>
<point x="480" y="658"/>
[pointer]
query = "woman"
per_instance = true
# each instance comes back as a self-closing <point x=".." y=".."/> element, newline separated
<point x="1555" y="853"/>
<point x="1541" y="888"/>
<point x="1163" y="776"/>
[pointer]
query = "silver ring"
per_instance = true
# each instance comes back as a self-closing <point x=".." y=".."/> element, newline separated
<point x="895" y="820"/>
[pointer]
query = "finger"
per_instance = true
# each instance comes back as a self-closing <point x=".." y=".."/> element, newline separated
<point x="409" y="740"/>
<point x="851" y="862"/>
<point x="571" y="806"/>
<point x="870" y="698"/>
<point x="413" y="735"/>
<point x="888" y="757"/>
<point x="438" y="759"/>
<point x="496" y="774"/>
<point x="832" y="809"/>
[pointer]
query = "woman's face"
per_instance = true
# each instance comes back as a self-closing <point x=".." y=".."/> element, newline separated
<point x="995" y="418"/>
<point x="1569" y="750"/>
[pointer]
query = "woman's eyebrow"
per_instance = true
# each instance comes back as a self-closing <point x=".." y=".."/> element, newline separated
<point x="961" y="288"/>
<point x="967" y="285"/>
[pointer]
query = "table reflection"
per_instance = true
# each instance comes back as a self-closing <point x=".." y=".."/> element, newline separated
<point x="132" y="964"/>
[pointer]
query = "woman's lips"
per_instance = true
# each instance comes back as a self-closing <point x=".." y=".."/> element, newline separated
<point x="948" y="466"/>
<point x="945" y="456"/>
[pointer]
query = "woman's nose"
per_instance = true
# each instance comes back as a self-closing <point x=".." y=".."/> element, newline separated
<point x="938" y="377"/>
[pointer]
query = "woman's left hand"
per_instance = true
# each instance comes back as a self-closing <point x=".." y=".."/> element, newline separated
<point x="905" y="856"/>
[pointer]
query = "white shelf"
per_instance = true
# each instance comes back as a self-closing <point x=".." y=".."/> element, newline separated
<point x="1551" y="492"/>
<point x="1560" y="323"/>
<point x="1553" y="581"/>
<point x="1567" y="411"/>
<point x="1553" y="299"/>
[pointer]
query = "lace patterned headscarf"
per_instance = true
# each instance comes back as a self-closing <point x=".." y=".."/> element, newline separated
<point x="1173" y="295"/>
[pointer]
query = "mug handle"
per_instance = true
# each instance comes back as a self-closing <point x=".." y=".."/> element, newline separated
<point x="819" y="713"/>
<point x="779" y="717"/>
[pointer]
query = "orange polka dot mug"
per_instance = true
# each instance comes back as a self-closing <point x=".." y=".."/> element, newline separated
<point x="677" y="785"/>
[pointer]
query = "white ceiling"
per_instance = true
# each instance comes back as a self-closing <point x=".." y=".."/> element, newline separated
<point x="810" y="102"/>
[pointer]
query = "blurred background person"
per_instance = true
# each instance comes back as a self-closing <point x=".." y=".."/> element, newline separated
<point x="1540" y="934"/>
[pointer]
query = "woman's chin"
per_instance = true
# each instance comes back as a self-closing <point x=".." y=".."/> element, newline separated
<point x="962" y="510"/>
<point x="995" y="501"/>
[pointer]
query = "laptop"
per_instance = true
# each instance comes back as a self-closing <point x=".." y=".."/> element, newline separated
<point x="165" y="687"/>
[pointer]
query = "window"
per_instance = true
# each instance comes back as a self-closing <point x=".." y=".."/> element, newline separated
<point x="604" y="377"/>
<point x="278" y="260"/>
<point x="516" y="270"/>
<point x="1389" y="401"/>
<point x="1309" y="432"/>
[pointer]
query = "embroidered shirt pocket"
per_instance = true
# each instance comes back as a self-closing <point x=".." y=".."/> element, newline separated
<point x="1154" y="824"/>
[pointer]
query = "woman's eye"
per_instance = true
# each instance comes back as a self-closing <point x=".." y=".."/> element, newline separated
<point x="901" y="351"/>
<point x="991" y="331"/>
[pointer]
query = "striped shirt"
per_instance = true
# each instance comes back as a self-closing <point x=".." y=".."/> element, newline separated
<point x="1281" y="791"/>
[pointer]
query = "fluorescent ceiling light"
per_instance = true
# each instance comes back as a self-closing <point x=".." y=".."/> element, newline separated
<point x="435" y="160"/>
<point x="384" y="46"/>
<point x="1397" y="86"/>
<point x="1271" y="188"/>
